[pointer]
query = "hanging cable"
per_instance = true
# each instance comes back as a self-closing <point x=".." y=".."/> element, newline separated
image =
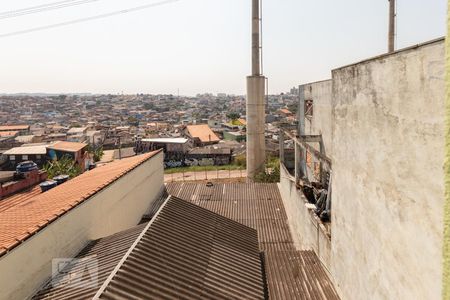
<point x="34" y="7"/>
<point x="42" y="8"/>
<point x="87" y="19"/>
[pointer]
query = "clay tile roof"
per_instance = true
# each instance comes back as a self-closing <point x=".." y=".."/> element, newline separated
<point x="286" y="111"/>
<point x="19" y="222"/>
<point x="243" y="121"/>
<point x="13" y="127"/>
<point x="8" y="133"/>
<point x="202" y="132"/>
<point x="67" y="146"/>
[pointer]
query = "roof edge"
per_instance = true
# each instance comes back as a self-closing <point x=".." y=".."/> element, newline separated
<point x="129" y="251"/>
<point x="427" y="43"/>
<point x="54" y="219"/>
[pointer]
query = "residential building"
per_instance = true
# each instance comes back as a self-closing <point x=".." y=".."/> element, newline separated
<point x="36" y="153"/>
<point x="379" y="232"/>
<point x="21" y="129"/>
<point x="201" y="135"/>
<point x="75" y="151"/>
<point x="234" y="136"/>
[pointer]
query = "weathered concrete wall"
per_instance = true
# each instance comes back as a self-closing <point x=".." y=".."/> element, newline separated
<point x="307" y="231"/>
<point x="388" y="194"/>
<point x="119" y="206"/>
<point x="320" y="123"/>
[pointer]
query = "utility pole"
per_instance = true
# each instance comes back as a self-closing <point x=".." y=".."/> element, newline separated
<point x="392" y="16"/>
<point x="256" y="146"/>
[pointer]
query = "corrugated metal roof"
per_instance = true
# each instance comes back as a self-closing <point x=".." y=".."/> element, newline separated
<point x="185" y="252"/>
<point x="108" y="251"/>
<point x="166" y="140"/>
<point x="291" y="274"/>
<point x="28" y="150"/>
<point x="189" y="253"/>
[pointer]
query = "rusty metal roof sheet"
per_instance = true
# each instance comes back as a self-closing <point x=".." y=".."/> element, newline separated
<point x="189" y="253"/>
<point x="290" y="274"/>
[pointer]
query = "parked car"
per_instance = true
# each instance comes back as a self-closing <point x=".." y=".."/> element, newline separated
<point x="26" y="166"/>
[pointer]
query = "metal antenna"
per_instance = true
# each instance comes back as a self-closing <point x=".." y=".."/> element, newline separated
<point x="392" y="17"/>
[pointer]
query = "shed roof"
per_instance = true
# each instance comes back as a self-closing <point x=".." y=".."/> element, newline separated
<point x="166" y="140"/>
<point x="76" y="130"/>
<point x="20" y="222"/>
<point x="14" y="127"/>
<point x="27" y="150"/>
<point x="188" y="252"/>
<point x="202" y="132"/>
<point x="108" y="251"/>
<point x="185" y="252"/>
<point x="8" y="133"/>
<point x="67" y="146"/>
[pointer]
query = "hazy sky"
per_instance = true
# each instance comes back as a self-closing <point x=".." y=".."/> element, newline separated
<point x="200" y="45"/>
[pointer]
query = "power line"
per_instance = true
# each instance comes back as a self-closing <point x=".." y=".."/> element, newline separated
<point x="43" y="8"/>
<point x="81" y="20"/>
<point x="34" y="7"/>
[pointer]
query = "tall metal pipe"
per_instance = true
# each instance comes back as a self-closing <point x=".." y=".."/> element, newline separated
<point x="256" y="147"/>
<point x="256" y="59"/>
<point x="391" y="39"/>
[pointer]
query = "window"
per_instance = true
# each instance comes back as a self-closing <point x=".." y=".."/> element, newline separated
<point x="12" y="157"/>
<point x="24" y="157"/>
<point x="38" y="156"/>
<point x="309" y="108"/>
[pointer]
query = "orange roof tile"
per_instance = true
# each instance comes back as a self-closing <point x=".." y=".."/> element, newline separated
<point x="67" y="146"/>
<point x="202" y="132"/>
<point x="19" y="198"/>
<point x="18" y="222"/>
<point x="243" y="121"/>
<point x="8" y="133"/>
<point x="286" y="111"/>
<point x="14" y="127"/>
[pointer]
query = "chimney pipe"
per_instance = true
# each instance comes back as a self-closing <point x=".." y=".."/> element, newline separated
<point x="392" y="16"/>
<point x="256" y="106"/>
<point x="256" y="60"/>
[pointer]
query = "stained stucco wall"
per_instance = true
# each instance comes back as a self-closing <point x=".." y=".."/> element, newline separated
<point x="388" y="193"/>
<point x="307" y="231"/>
<point x="320" y="123"/>
<point x="119" y="206"/>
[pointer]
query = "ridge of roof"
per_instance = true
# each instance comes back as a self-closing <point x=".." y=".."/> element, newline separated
<point x="18" y="223"/>
<point x="219" y="257"/>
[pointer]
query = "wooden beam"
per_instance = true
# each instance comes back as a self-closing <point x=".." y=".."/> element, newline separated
<point x="321" y="157"/>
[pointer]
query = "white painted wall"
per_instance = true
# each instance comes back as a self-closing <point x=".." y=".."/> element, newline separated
<point x="118" y="207"/>
<point x="388" y="195"/>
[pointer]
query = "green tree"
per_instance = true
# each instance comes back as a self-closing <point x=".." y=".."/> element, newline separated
<point x="96" y="152"/>
<point x="63" y="166"/>
<point x="271" y="173"/>
<point x="233" y="116"/>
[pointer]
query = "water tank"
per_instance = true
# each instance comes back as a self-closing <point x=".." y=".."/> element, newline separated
<point x="61" y="179"/>
<point x="48" y="185"/>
